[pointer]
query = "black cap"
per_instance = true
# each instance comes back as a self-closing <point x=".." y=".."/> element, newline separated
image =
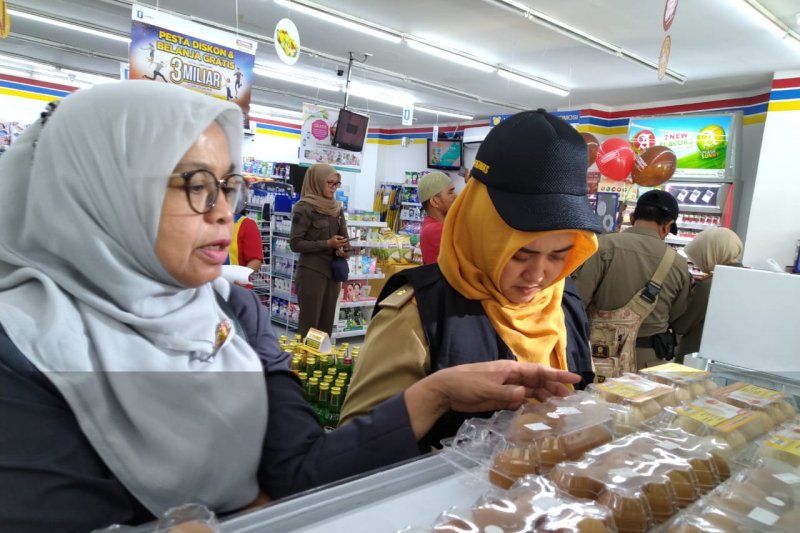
<point x="665" y="202"/>
<point x="534" y="167"/>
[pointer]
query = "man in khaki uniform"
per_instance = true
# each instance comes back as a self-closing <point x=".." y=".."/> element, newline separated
<point x="624" y="264"/>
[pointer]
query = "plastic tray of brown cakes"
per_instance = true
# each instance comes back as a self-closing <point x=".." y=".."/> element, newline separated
<point x="645" y="398"/>
<point x="688" y="382"/>
<point x="782" y="445"/>
<point x="540" y="435"/>
<point x="707" y="455"/>
<point x="642" y="484"/>
<point x="774" y="404"/>
<point x="756" y="500"/>
<point x="708" y="415"/>
<point x="533" y="504"/>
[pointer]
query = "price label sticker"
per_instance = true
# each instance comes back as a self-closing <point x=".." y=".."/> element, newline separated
<point x="763" y="516"/>
<point x="538" y="426"/>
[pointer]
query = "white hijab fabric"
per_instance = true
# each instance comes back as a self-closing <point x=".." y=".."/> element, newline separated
<point x="84" y="297"/>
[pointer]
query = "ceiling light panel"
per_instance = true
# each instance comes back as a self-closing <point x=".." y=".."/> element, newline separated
<point x="461" y="59"/>
<point x="443" y="113"/>
<point x="346" y="21"/>
<point x="530" y="82"/>
<point x="68" y="25"/>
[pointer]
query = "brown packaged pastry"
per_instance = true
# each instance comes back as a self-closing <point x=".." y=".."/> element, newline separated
<point x="630" y="511"/>
<point x="710" y="416"/>
<point x="643" y="395"/>
<point x="511" y="464"/>
<point x="498" y="512"/>
<point x="772" y="403"/>
<point x="689" y="383"/>
<point x="783" y="445"/>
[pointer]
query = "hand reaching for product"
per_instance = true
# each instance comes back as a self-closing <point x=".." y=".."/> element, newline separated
<point x="481" y="387"/>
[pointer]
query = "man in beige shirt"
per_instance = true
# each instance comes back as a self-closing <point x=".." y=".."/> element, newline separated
<point x="625" y="262"/>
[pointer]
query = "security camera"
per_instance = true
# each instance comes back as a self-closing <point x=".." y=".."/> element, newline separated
<point x="339" y="71"/>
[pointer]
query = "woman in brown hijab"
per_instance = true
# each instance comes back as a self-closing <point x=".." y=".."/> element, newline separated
<point x="319" y="233"/>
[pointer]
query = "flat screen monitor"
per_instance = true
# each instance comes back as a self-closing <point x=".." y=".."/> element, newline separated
<point x="350" y="131"/>
<point x="445" y="154"/>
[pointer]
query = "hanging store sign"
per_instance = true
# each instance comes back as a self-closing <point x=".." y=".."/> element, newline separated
<point x="663" y="58"/>
<point x="316" y="140"/>
<point x="670" y="8"/>
<point x="170" y="49"/>
<point x="287" y="41"/>
<point x="5" y="23"/>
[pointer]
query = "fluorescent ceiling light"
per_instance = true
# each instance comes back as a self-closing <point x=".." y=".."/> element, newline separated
<point x="530" y="82"/>
<point x="583" y="37"/>
<point x="275" y="111"/>
<point x="346" y="21"/>
<point x="753" y="10"/>
<point x="442" y="113"/>
<point x="461" y="59"/>
<point x="379" y="95"/>
<point x="68" y="25"/>
<point x="18" y="63"/>
<point x="299" y="80"/>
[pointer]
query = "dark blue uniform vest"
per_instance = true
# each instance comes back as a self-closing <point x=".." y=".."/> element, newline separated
<point x="459" y="332"/>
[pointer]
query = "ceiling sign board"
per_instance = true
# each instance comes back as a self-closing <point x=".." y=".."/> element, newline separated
<point x="670" y="7"/>
<point x="663" y="58"/>
<point x="170" y="49"/>
<point x="5" y="23"/>
<point x="287" y="41"/>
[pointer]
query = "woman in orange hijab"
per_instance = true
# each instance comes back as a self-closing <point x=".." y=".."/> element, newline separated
<point x="516" y="231"/>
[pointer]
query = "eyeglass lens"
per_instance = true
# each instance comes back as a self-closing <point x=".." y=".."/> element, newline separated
<point x="203" y="187"/>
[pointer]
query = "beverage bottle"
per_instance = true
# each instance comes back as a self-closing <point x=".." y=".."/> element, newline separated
<point x="303" y="379"/>
<point x="311" y="364"/>
<point x="296" y="364"/>
<point x="317" y="374"/>
<point x="324" y="363"/>
<point x="312" y="394"/>
<point x="341" y="384"/>
<point x="347" y="365"/>
<point x="322" y="402"/>
<point x="334" y="407"/>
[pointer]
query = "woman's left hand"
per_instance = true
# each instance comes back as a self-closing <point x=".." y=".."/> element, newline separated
<point x="342" y="252"/>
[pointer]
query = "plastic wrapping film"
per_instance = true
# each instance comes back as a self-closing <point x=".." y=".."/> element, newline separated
<point x="533" y="503"/>
<point x="772" y="403"/>
<point x="645" y="399"/>
<point x="781" y="447"/>
<point x="688" y="382"/>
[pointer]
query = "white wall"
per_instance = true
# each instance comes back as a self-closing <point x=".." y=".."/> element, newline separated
<point x="22" y="110"/>
<point x="748" y="166"/>
<point x="774" y="222"/>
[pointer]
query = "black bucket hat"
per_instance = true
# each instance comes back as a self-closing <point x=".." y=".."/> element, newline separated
<point x="534" y="167"/>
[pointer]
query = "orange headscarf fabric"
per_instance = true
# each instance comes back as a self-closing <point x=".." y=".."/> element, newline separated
<point x="476" y="246"/>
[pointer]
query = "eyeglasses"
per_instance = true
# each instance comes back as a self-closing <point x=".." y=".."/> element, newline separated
<point x="334" y="184"/>
<point x="202" y="188"/>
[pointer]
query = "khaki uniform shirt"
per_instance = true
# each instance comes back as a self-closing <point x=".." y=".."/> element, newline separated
<point x="623" y="264"/>
<point x="395" y="355"/>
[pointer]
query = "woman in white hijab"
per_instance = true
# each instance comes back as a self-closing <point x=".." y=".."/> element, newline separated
<point x="711" y="247"/>
<point x="132" y="377"/>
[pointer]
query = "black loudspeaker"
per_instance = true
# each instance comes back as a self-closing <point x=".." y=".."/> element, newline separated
<point x="606" y="209"/>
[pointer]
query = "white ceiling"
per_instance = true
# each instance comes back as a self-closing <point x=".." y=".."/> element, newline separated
<point x="719" y="48"/>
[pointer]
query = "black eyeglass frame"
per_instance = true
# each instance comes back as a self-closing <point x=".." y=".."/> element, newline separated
<point x="218" y="184"/>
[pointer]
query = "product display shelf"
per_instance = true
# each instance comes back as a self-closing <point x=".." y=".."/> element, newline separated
<point x="413" y="204"/>
<point x="366" y="223"/>
<point x="260" y="212"/>
<point x="410" y="219"/>
<point x="284" y="308"/>
<point x="367" y="302"/>
<point x="355" y="277"/>
<point x="360" y="332"/>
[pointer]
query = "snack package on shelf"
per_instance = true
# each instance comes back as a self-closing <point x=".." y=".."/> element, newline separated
<point x="533" y="504"/>
<point x="645" y="398"/>
<point x="772" y="403"/>
<point x="756" y="500"/>
<point x="782" y="448"/>
<point x="537" y="436"/>
<point x="642" y="484"/>
<point x="709" y="416"/>
<point x="688" y="382"/>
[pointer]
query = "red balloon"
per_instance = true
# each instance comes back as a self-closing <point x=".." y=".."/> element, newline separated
<point x="615" y="158"/>
<point x="654" y="166"/>
<point x="593" y="144"/>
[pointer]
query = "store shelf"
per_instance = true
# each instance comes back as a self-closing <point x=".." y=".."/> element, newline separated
<point x="367" y="244"/>
<point x="354" y="277"/>
<point x="672" y="239"/>
<point x="358" y="303"/>
<point x="284" y="296"/>
<point x="366" y="224"/>
<point x="360" y="332"/>
<point x="691" y="208"/>
<point x="415" y="204"/>
<point x="700" y="227"/>
<point x="285" y="255"/>
<point x="280" y="234"/>
<point x="409" y="185"/>
<point x="411" y="219"/>
<point x="280" y="320"/>
<point x="282" y="275"/>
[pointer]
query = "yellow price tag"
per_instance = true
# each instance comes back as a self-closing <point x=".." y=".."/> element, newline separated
<point x="703" y="415"/>
<point x="785" y="444"/>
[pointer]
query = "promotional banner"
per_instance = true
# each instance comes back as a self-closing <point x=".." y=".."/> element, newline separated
<point x="700" y="142"/>
<point x="316" y="136"/>
<point x="169" y="49"/>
